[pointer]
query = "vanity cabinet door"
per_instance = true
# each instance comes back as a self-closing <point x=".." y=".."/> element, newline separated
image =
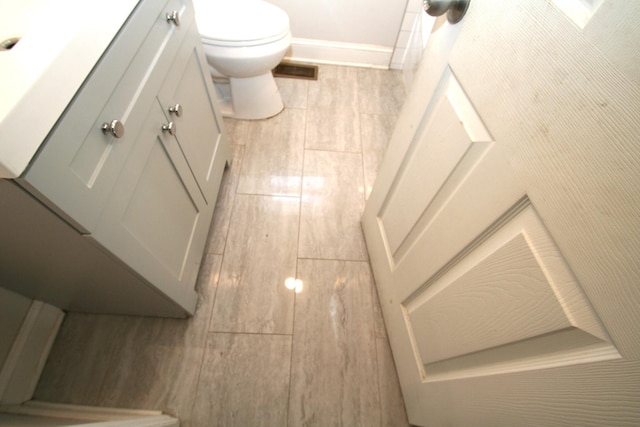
<point x="156" y="220"/>
<point x="78" y="164"/>
<point x="201" y="137"/>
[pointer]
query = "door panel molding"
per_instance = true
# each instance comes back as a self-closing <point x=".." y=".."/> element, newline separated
<point x="523" y="307"/>
<point x="440" y="158"/>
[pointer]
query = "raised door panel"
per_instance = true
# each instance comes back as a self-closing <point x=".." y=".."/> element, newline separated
<point x="156" y="221"/>
<point x="523" y="308"/>
<point x="507" y="266"/>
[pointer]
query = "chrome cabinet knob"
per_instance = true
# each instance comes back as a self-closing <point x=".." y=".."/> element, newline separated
<point x="114" y="128"/>
<point x="169" y="128"/>
<point x="173" y="17"/>
<point x="176" y="109"/>
<point x="455" y="9"/>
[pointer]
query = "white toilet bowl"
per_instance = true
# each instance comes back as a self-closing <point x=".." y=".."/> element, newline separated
<point x="243" y="41"/>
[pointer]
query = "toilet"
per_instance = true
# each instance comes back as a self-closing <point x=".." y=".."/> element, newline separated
<point x="243" y="41"/>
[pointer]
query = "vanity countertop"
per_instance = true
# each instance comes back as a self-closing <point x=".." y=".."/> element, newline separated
<point x="60" y="43"/>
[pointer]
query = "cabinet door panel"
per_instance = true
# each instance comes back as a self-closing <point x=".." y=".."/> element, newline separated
<point x="199" y="136"/>
<point x="78" y="164"/>
<point x="156" y="220"/>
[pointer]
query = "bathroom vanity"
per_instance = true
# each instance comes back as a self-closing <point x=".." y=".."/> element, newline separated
<point x="111" y="211"/>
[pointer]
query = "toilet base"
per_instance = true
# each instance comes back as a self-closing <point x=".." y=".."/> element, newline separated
<point x="251" y="98"/>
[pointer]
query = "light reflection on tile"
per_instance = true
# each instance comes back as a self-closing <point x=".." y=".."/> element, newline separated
<point x="332" y="205"/>
<point x="333" y="379"/>
<point x="260" y="255"/>
<point x="272" y="163"/>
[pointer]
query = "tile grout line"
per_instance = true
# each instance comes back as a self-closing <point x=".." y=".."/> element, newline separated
<point x="233" y="192"/>
<point x="207" y="330"/>
<point x="287" y="196"/>
<point x="275" y="334"/>
<point x="206" y="336"/>
<point x="334" y="259"/>
<point x="293" y="321"/>
<point x="226" y="241"/>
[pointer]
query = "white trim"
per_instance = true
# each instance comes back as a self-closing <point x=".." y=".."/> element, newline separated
<point x="95" y="416"/>
<point x="338" y="53"/>
<point x="24" y="363"/>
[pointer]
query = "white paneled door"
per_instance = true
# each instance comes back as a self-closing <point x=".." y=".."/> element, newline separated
<point x="504" y="226"/>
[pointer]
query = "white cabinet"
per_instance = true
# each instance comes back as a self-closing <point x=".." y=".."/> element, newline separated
<point x="139" y="205"/>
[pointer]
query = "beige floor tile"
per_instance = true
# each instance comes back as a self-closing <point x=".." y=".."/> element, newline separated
<point x="224" y="204"/>
<point x="381" y="330"/>
<point x="293" y="92"/>
<point x="272" y="163"/>
<point x="391" y="401"/>
<point x="332" y="205"/>
<point x="79" y="359"/>
<point x="237" y="130"/>
<point x="156" y="362"/>
<point x="333" y="122"/>
<point x="244" y="381"/>
<point x="380" y="91"/>
<point x="335" y="86"/>
<point x="334" y="128"/>
<point x="259" y="257"/>
<point x="376" y="132"/>
<point x="129" y="361"/>
<point x="333" y="368"/>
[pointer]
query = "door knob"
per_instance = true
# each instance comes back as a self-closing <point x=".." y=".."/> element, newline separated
<point x="174" y="17"/>
<point x="455" y="9"/>
<point x="176" y="109"/>
<point x="114" y="128"/>
<point x="169" y="128"/>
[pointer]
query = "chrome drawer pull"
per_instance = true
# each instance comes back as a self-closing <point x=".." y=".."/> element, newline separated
<point x="114" y="128"/>
<point x="176" y="109"/>
<point x="169" y="128"/>
<point x="174" y="17"/>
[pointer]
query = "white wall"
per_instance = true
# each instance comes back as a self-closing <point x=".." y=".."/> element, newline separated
<point x="358" y="32"/>
<point x="373" y="22"/>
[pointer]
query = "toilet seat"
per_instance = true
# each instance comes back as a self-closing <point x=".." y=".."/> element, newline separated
<point x="262" y="22"/>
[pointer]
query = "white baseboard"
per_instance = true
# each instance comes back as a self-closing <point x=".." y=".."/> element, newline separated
<point x="337" y="53"/>
<point x="94" y="416"/>
<point x="21" y="370"/>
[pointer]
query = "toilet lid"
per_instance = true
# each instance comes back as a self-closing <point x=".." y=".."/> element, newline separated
<point x="218" y="21"/>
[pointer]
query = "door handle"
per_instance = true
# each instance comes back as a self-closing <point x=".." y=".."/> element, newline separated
<point x="455" y="9"/>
